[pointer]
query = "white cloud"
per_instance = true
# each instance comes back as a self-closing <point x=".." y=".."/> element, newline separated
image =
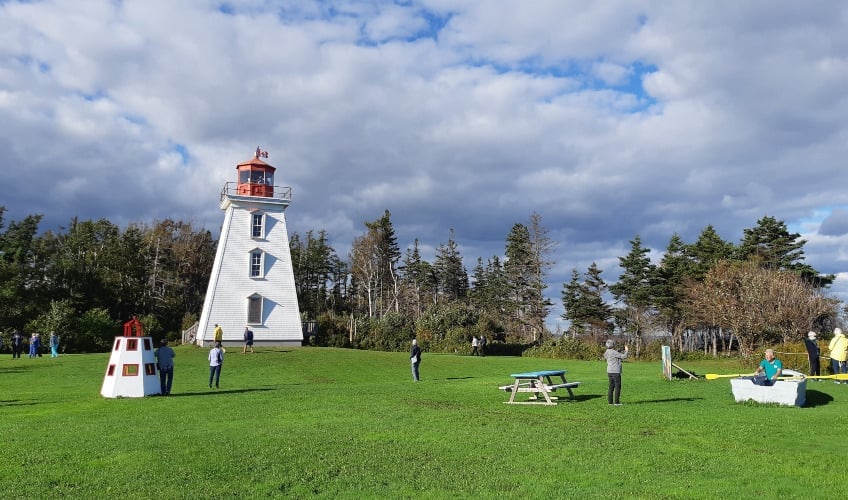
<point x="448" y="113"/>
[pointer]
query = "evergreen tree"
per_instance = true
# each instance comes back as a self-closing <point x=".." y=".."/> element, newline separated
<point x="519" y="274"/>
<point x="772" y="246"/>
<point x="598" y="312"/>
<point x="453" y="278"/>
<point x="388" y="254"/>
<point x="20" y="278"/>
<point x="674" y="270"/>
<point x="418" y="278"/>
<point x="707" y="251"/>
<point x="584" y="304"/>
<point x="634" y="290"/>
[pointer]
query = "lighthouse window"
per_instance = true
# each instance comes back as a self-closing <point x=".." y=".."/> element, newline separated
<point x="257" y="225"/>
<point x="254" y="309"/>
<point x="256" y="264"/>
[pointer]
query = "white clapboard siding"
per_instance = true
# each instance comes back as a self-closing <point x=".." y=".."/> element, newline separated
<point x="230" y="284"/>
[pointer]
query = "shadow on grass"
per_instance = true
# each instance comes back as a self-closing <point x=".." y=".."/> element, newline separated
<point x="264" y="350"/>
<point x="14" y="369"/>
<point x="212" y="392"/>
<point x="458" y="378"/>
<point x="16" y="402"/>
<point x="667" y="400"/>
<point x="817" y="398"/>
<point x="579" y="398"/>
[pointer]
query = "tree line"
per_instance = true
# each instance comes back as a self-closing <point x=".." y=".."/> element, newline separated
<point x="86" y="279"/>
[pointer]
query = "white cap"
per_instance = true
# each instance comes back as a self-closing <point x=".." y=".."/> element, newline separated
<point x="812" y="334"/>
<point x="837" y="331"/>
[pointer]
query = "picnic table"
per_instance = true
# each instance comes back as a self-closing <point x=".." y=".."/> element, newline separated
<point x="539" y="382"/>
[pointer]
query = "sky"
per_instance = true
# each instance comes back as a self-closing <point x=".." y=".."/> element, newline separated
<point x="608" y="119"/>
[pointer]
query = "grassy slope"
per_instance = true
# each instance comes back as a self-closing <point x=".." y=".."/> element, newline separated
<point x="329" y="422"/>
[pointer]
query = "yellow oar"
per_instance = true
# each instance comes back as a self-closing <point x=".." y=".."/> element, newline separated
<point x="838" y="376"/>
<point x="713" y="376"/>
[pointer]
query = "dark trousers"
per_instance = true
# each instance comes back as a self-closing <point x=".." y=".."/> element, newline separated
<point x="614" y="391"/>
<point x="214" y="372"/>
<point x="815" y="367"/>
<point x="17" y="350"/>
<point x="166" y="378"/>
<point x="415" y="371"/>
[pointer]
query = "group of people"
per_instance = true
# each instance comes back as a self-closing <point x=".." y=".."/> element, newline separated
<point x="838" y="348"/>
<point x="165" y="359"/>
<point x="165" y="363"/>
<point x="767" y="372"/>
<point x="34" y="345"/>
<point x="478" y="346"/>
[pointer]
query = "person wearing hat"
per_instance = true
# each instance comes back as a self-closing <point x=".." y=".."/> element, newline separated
<point x="813" y="353"/>
<point x="614" y="358"/>
<point x="165" y="361"/>
<point x="838" y="353"/>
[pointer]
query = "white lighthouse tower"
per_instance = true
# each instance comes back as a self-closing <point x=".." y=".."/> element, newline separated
<point x="131" y="372"/>
<point x="252" y="282"/>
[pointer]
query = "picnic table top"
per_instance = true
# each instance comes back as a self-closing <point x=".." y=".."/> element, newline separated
<point x="543" y="373"/>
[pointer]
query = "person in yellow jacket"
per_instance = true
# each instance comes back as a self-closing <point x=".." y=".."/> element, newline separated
<point x="219" y="336"/>
<point x="839" y="353"/>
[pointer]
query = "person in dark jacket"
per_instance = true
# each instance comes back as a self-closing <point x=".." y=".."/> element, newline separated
<point x="415" y="359"/>
<point x="248" y="340"/>
<point x="17" y="344"/>
<point x="813" y="352"/>
<point x="165" y="361"/>
<point x="614" y="358"/>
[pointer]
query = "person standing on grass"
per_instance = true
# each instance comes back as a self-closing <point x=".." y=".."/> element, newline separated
<point x="482" y="345"/>
<point x="34" y="345"/>
<point x="415" y="359"/>
<point x="771" y="368"/>
<point x="474" y="345"/>
<point x="54" y="345"/>
<point x="614" y="359"/>
<point x="838" y="353"/>
<point x="216" y="360"/>
<point x="813" y="353"/>
<point x="165" y="361"/>
<point x="17" y="344"/>
<point x="248" y="340"/>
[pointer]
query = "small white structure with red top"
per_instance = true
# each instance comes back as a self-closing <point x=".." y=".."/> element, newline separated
<point x="252" y="281"/>
<point x="131" y="372"/>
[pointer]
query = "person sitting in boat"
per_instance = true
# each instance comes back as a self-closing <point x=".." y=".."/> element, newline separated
<point x="769" y="369"/>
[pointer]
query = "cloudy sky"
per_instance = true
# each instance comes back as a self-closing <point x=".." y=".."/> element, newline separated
<point x="608" y="119"/>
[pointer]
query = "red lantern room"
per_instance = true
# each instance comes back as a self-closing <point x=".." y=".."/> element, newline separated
<point x="255" y="177"/>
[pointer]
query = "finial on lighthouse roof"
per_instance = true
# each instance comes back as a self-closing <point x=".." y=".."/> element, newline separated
<point x="260" y="154"/>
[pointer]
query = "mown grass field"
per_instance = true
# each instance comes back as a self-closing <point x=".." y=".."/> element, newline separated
<point x="333" y="423"/>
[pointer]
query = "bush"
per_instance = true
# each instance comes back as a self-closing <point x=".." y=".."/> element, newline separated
<point x="332" y="331"/>
<point x="392" y="332"/>
<point x="564" y="348"/>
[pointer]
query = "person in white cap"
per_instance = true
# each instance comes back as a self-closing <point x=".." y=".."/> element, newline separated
<point x="813" y="353"/>
<point x="838" y="352"/>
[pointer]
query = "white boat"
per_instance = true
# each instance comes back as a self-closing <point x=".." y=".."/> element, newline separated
<point x="787" y="392"/>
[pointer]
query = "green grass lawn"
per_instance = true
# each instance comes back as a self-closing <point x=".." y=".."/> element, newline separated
<point x="320" y="422"/>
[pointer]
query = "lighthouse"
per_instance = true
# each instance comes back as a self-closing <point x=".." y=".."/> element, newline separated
<point x="131" y="372"/>
<point x="252" y="281"/>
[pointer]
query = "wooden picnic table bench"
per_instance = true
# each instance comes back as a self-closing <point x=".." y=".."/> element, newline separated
<point x="538" y="382"/>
